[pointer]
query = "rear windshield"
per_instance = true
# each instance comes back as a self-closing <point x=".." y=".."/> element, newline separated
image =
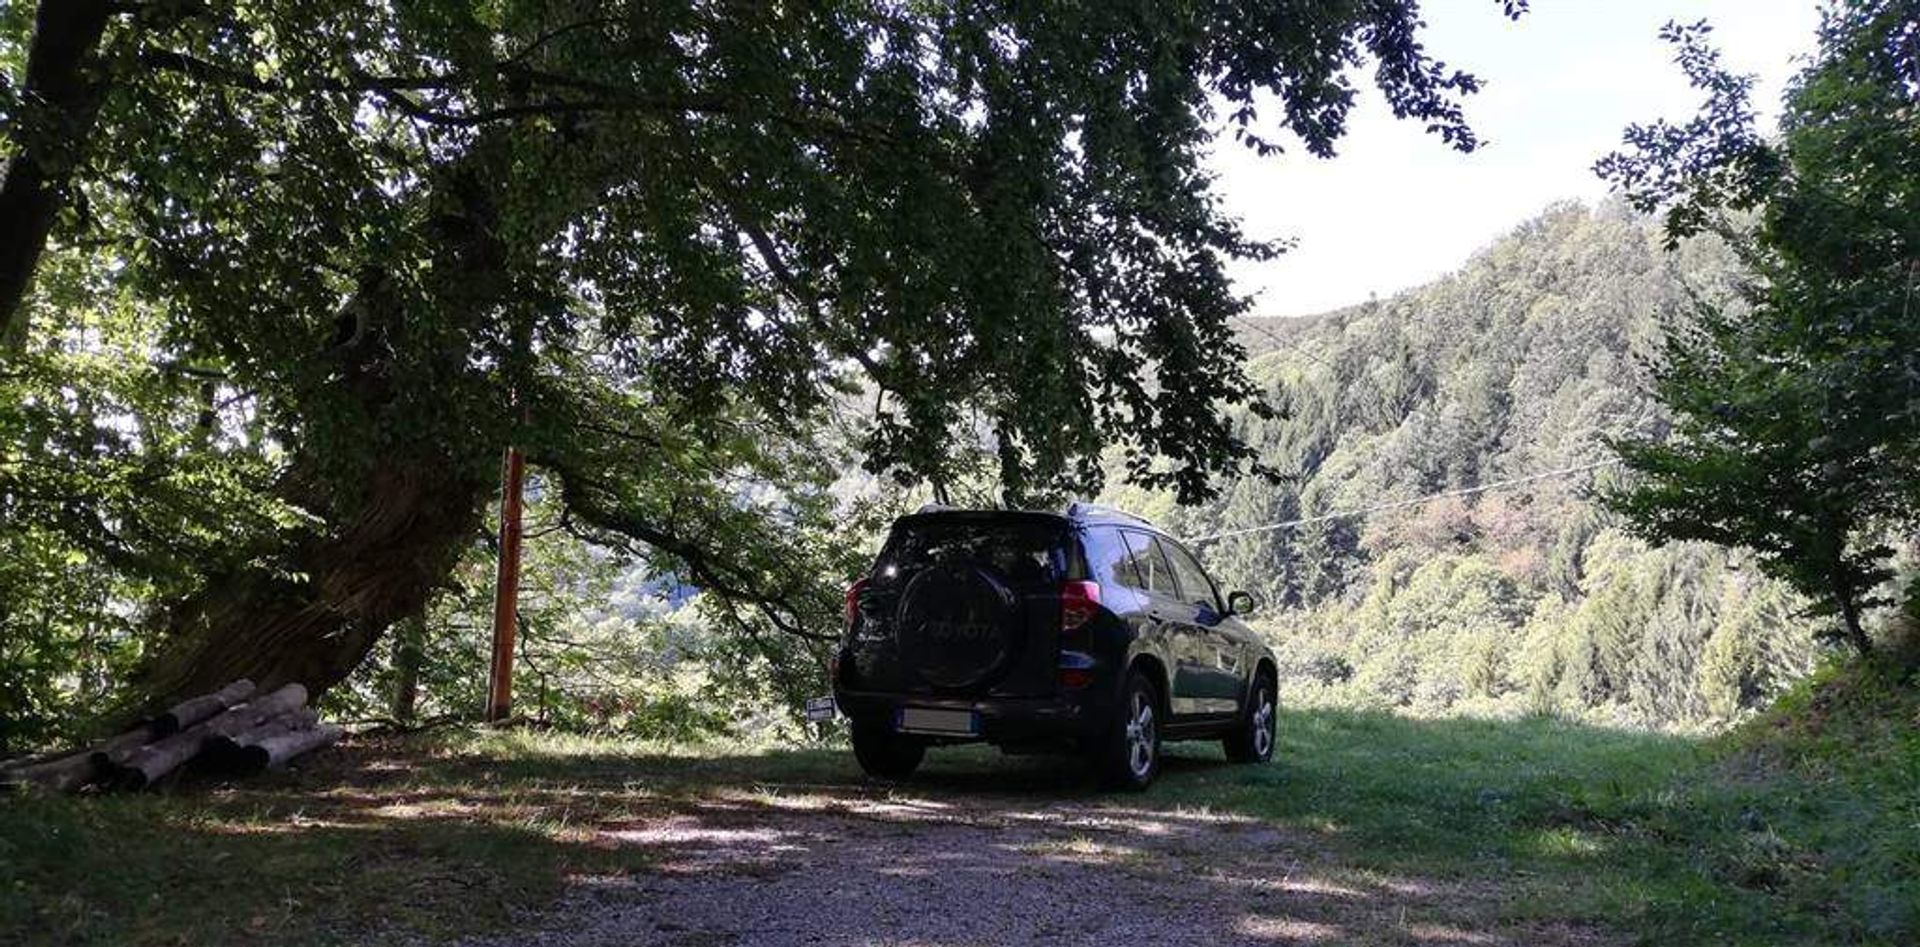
<point x="1023" y="553"/>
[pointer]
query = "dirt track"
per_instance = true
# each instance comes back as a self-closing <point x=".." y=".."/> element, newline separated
<point x="926" y="865"/>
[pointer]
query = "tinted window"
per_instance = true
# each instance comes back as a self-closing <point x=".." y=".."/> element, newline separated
<point x="1195" y="587"/>
<point x="1108" y="558"/>
<point x="1150" y="564"/>
<point x="1024" y="554"/>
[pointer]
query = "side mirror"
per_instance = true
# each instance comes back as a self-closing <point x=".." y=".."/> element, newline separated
<point x="1240" y="603"/>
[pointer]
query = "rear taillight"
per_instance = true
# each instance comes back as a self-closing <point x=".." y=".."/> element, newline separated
<point x="1079" y="603"/>
<point x="853" y="600"/>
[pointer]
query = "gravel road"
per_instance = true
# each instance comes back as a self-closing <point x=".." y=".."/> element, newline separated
<point x="911" y="866"/>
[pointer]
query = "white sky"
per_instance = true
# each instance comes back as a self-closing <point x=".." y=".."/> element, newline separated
<point x="1398" y="208"/>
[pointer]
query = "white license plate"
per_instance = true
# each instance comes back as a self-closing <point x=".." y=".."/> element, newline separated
<point x="930" y="720"/>
<point x="820" y="709"/>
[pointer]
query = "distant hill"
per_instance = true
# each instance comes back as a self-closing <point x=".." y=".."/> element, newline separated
<point x="1529" y="597"/>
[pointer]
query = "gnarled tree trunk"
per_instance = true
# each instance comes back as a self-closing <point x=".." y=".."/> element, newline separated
<point x="315" y="629"/>
<point x="392" y="534"/>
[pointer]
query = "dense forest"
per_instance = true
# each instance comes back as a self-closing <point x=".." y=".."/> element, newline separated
<point x="1526" y="597"/>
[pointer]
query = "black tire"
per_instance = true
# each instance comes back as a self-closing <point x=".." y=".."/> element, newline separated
<point x="1254" y="737"/>
<point x="1130" y="756"/>
<point x="884" y="754"/>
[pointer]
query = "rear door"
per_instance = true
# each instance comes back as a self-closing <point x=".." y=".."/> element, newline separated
<point x="1172" y="620"/>
<point x="1217" y="654"/>
<point x="963" y="604"/>
<point x="1110" y="562"/>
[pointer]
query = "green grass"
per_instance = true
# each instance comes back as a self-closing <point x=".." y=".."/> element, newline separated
<point x="1803" y="827"/>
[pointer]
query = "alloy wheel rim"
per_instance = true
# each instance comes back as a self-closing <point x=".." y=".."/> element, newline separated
<point x="1140" y="736"/>
<point x="1263" y="726"/>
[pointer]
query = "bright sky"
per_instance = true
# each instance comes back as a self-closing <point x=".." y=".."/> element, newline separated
<point x="1397" y="208"/>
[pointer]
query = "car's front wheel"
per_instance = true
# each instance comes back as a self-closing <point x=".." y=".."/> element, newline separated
<point x="1131" y="755"/>
<point x="884" y="754"/>
<point x="1252" y="738"/>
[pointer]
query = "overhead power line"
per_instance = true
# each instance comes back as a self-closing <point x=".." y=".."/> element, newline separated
<point x="1416" y="501"/>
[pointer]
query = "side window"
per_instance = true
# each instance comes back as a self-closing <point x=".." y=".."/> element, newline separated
<point x="1195" y="587"/>
<point x="1150" y="564"/>
<point x="1108" y="558"/>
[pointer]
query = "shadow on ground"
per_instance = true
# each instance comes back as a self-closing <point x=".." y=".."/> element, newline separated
<point x="1369" y="828"/>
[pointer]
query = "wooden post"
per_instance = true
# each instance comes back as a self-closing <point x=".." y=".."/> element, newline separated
<point x="506" y="590"/>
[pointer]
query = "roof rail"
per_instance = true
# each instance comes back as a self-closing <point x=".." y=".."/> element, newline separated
<point x="1078" y="508"/>
<point x="934" y="508"/>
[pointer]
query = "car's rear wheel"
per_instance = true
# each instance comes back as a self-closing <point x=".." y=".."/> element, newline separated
<point x="884" y="754"/>
<point x="1130" y="758"/>
<point x="1252" y="739"/>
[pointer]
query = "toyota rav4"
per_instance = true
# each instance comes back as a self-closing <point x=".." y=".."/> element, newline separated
<point x="1087" y="631"/>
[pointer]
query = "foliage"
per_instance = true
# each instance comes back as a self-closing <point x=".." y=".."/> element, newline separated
<point x="126" y="473"/>
<point x="660" y="248"/>
<point x="1795" y="412"/>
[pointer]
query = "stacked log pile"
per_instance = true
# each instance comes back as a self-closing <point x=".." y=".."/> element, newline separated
<point x="234" y="730"/>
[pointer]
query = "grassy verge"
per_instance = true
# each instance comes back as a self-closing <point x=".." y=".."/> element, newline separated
<point x="1801" y="827"/>
<point x="1804" y="827"/>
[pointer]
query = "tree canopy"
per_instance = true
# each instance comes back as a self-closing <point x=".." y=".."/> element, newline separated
<point x="307" y="267"/>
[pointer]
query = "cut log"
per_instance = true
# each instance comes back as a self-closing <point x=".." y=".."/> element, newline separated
<point x="116" y="745"/>
<point x="110" y="754"/>
<point x="32" y="759"/>
<point x="149" y="763"/>
<point x="65" y="774"/>
<point x="189" y="712"/>
<point x="233" y="753"/>
<point x="75" y="770"/>
<point x="300" y="718"/>
<point x="275" y="751"/>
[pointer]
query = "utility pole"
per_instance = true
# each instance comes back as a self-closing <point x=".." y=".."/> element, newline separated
<point x="506" y="589"/>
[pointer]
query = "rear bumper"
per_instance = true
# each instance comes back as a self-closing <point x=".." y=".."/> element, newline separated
<point x="1073" y="717"/>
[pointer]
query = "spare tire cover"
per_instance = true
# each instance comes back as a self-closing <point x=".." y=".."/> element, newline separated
<point x="958" y="625"/>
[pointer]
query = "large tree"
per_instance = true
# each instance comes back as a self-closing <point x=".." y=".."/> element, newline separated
<point x="1796" y="406"/>
<point x="657" y="243"/>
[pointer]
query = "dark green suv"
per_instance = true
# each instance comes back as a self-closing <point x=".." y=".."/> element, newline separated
<point x="1087" y="631"/>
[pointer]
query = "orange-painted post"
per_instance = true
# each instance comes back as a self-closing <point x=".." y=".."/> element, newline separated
<point x="506" y="589"/>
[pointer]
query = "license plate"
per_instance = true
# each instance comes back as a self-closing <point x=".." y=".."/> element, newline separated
<point x="931" y="720"/>
<point x="820" y="709"/>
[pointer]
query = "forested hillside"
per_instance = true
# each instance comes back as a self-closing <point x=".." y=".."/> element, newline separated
<point x="1527" y="597"/>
